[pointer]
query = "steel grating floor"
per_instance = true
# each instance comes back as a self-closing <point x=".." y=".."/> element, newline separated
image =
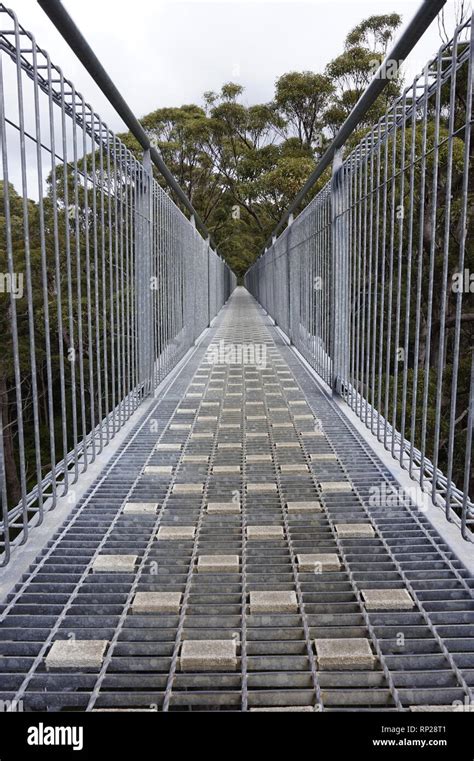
<point x="236" y="428"/>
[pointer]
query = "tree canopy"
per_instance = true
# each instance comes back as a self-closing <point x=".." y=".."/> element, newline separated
<point x="241" y="165"/>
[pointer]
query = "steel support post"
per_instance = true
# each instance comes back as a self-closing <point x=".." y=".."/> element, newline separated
<point x="144" y="273"/>
<point x="288" y="276"/>
<point x="208" y="250"/>
<point x="339" y="285"/>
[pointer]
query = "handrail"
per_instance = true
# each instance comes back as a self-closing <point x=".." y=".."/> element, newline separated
<point x="77" y="42"/>
<point x="405" y="44"/>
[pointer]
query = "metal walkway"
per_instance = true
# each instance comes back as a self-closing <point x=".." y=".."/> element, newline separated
<point x="239" y="443"/>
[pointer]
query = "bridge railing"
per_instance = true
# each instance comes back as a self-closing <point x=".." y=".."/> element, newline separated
<point x="373" y="282"/>
<point x="105" y="284"/>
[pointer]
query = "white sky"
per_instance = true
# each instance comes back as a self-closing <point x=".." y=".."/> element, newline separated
<point x="162" y="53"/>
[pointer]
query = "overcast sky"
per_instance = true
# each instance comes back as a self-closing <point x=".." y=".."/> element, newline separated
<point x="163" y="53"/>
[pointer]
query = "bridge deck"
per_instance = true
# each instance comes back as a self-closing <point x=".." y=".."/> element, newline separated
<point x="256" y="437"/>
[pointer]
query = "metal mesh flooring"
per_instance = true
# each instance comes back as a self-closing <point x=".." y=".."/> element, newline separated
<point x="236" y="430"/>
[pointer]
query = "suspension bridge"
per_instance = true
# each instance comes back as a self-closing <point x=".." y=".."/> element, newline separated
<point x="241" y="505"/>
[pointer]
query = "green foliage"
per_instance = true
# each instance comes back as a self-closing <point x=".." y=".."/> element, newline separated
<point x="302" y="98"/>
<point x="374" y="33"/>
<point x="241" y="165"/>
